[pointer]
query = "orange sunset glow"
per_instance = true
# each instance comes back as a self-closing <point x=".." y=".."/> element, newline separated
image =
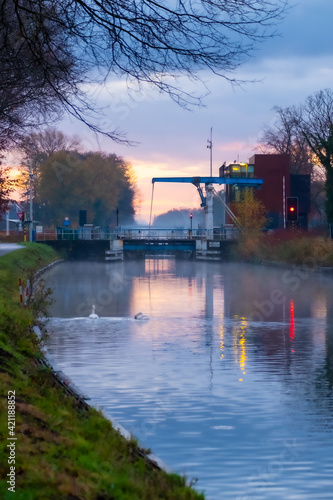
<point x="168" y="196"/>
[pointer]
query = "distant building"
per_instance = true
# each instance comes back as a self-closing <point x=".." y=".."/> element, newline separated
<point x="274" y="169"/>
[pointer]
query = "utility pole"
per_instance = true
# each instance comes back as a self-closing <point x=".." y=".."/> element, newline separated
<point x="284" y="201"/>
<point x="210" y="146"/>
<point x="30" y="215"/>
<point x="209" y="215"/>
<point x="7" y="222"/>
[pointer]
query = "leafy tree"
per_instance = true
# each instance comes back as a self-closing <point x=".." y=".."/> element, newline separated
<point x="250" y="212"/>
<point x="6" y="187"/>
<point x="95" y="182"/>
<point x="51" y="50"/>
<point x="35" y="148"/>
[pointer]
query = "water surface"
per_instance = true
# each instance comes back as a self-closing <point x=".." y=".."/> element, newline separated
<point x="230" y="380"/>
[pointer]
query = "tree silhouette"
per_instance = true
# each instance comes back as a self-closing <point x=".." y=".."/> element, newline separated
<point x="52" y="51"/>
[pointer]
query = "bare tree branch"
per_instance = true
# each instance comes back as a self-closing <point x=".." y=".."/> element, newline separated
<point x="306" y="132"/>
<point x="51" y="50"/>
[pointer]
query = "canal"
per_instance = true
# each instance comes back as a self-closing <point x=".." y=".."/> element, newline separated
<point x="229" y="381"/>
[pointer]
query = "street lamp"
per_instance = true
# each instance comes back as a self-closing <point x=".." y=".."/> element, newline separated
<point x="191" y="219"/>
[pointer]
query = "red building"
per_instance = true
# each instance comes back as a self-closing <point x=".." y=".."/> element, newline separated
<point x="274" y="169"/>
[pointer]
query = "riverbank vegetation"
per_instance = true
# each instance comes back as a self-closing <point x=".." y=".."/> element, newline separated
<point x="250" y="212"/>
<point x="286" y="246"/>
<point x="64" y="450"/>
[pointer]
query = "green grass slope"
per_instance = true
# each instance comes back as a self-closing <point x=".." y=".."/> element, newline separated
<point x="62" y="450"/>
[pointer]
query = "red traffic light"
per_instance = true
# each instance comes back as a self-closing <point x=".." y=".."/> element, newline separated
<point x="292" y="209"/>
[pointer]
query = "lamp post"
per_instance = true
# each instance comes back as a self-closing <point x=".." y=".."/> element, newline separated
<point x="190" y="230"/>
<point x="117" y="214"/>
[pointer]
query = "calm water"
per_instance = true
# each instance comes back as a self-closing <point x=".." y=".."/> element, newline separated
<point x="230" y="381"/>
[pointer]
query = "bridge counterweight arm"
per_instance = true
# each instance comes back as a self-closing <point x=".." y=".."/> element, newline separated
<point x="207" y="201"/>
<point x="212" y="180"/>
<point x="196" y="181"/>
<point x="202" y="197"/>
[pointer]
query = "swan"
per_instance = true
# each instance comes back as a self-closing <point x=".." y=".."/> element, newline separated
<point x="140" y="316"/>
<point x="93" y="315"/>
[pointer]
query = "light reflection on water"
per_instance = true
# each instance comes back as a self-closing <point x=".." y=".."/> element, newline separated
<point x="230" y="380"/>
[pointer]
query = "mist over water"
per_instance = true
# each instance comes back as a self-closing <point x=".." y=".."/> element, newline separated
<point x="230" y="381"/>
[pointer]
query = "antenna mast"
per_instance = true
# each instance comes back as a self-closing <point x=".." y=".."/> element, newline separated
<point x="210" y="146"/>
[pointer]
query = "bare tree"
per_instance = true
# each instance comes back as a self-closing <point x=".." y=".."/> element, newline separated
<point x="306" y="133"/>
<point x="38" y="70"/>
<point x="285" y="137"/>
<point x="49" y="49"/>
<point x="315" y="122"/>
<point x="37" y="146"/>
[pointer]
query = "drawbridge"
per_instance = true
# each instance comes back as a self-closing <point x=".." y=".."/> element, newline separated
<point x="207" y="192"/>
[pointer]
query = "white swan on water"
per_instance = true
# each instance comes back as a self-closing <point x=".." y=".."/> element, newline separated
<point x="140" y="316"/>
<point x="93" y="315"/>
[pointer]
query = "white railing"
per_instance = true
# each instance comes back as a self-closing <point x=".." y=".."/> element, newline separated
<point x="182" y="234"/>
<point x="76" y="234"/>
<point x="226" y="233"/>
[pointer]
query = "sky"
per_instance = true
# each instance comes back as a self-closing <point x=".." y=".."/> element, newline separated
<point x="172" y="141"/>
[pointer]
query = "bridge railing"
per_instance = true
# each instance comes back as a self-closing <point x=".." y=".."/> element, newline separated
<point x="225" y="233"/>
<point x="182" y="234"/>
<point x="76" y="234"/>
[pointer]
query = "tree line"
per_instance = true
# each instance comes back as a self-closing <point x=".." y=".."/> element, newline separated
<point x="67" y="179"/>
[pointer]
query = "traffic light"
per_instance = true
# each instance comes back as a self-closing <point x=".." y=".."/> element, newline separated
<point x="292" y="209"/>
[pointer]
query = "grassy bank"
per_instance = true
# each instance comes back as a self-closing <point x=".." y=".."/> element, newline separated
<point x="62" y="451"/>
<point x="290" y="247"/>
